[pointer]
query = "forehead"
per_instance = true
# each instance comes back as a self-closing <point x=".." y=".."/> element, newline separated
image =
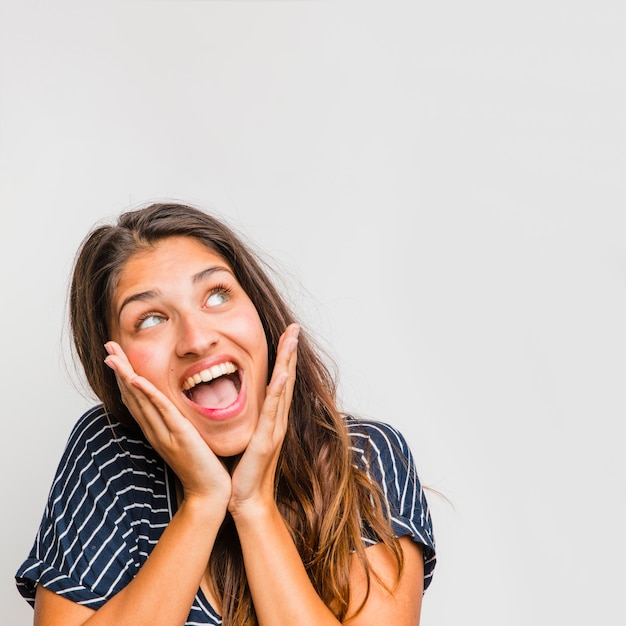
<point x="171" y="257"/>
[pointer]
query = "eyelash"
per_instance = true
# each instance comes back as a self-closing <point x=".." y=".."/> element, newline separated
<point x="220" y="288"/>
<point x="145" y="316"/>
<point x="223" y="287"/>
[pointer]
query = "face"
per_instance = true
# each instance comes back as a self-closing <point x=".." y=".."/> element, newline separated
<point x="187" y="326"/>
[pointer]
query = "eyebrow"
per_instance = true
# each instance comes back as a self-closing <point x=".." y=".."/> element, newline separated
<point x="200" y="276"/>
<point x="153" y="293"/>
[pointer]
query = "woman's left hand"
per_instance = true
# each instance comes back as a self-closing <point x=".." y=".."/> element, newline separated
<point x="254" y="475"/>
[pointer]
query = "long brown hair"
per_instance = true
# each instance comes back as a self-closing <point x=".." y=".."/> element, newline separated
<point x="325" y="500"/>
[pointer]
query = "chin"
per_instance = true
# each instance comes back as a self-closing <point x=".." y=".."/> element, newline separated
<point x="228" y="446"/>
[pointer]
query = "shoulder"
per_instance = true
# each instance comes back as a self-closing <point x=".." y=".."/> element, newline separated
<point x="383" y="454"/>
<point x="95" y="425"/>
<point x="366" y="429"/>
<point x="107" y="478"/>
<point x="375" y="441"/>
<point x="99" y="445"/>
<point x="107" y="507"/>
<point x="97" y="430"/>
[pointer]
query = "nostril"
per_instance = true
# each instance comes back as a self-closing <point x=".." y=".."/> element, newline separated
<point x="195" y="338"/>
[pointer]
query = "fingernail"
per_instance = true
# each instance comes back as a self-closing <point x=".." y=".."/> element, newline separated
<point x="108" y="361"/>
<point x="108" y="347"/>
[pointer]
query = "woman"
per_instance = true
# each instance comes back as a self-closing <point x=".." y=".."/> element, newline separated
<point x="217" y="480"/>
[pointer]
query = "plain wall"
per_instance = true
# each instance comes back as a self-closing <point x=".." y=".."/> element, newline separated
<point x="441" y="186"/>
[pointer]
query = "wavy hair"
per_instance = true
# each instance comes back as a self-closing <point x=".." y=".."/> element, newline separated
<point x="325" y="500"/>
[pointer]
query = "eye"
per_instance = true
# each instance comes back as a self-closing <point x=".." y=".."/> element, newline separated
<point x="150" y="320"/>
<point x="219" y="295"/>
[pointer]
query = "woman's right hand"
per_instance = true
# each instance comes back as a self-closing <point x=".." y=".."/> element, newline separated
<point x="200" y="471"/>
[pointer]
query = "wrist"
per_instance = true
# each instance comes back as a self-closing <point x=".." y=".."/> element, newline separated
<point x="203" y="507"/>
<point x="253" y="511"/>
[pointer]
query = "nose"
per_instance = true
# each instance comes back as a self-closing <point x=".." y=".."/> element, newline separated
<point x="196" y="334"/>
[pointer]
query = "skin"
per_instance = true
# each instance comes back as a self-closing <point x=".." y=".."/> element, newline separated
<point x="179" y="309"/>
<point x="166" y="320"/>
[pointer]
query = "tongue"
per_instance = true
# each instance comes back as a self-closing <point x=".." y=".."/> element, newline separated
<point x="221" y="393"/>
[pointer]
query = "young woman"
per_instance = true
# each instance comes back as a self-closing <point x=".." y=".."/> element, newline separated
<point x="217" y="482"/>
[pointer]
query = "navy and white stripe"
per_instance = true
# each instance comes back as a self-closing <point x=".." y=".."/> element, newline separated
<point x="382" y="452"/>
<point x="113" y="496"/>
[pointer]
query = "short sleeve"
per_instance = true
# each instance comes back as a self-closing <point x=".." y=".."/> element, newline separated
<point x="383" y="453"/>
<point x="92" y="539"/>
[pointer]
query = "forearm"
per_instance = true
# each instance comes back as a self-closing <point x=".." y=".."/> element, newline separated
<point x="281" y="590"/>
<point x="173" y="571"/>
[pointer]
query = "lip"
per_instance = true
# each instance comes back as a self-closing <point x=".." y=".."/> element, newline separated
<point x="225" y="413"/>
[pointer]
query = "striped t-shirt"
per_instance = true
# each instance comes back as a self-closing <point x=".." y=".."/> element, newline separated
<point x="113" y="496"/>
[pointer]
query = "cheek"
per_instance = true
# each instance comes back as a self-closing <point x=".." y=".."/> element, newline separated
<point x="143" y="356"/>
<point x="250" y="329"/>
<point x="257" y="337"/>
<point x="143" y="360"/>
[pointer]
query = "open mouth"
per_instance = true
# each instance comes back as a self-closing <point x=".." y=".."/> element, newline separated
<point x="216" y="387"/>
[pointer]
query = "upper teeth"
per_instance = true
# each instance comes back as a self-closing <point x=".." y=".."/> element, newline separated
<point x="215" y="371"/>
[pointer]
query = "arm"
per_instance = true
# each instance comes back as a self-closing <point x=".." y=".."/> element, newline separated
<point x="173" y="570"/>
<point x="283" y="593"/>
<point x="401" y="607"/>
<point x="178" y="561"/>
<point x="281" y="589"/>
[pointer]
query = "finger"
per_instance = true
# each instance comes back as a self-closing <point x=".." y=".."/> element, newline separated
<point x="284" y="403"/>
<point x="135" y="401"/>
<point x="274" y="402"/>
<point x="286" y="350"/>
<point x="135" y="385"/>
<point x="283" y="375"/>
<point x="293" y="361"/>
<point x="151" y="409"/>
<point x="274" y="414"/>
<point x="291" y="348"/>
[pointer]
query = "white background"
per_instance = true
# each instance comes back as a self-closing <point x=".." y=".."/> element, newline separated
<point x="442" y="186"/>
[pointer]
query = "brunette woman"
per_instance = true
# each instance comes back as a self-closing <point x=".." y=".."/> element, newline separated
<point x="217" y="481"/>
